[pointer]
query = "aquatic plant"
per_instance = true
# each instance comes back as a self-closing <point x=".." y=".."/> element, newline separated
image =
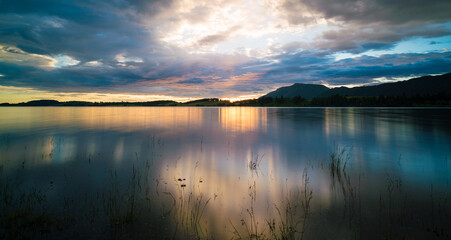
<point x="131" y="203"/>
<point x="22" y="213"/>
<point x="249" y="223"/>
<point x="254" y="163"/>
<point x="338" y="161"/>
<point x="293" y="213"/>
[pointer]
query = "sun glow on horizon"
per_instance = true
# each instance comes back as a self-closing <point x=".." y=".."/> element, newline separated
<point x="186" y="50"/>
<point x="23" y="94"/>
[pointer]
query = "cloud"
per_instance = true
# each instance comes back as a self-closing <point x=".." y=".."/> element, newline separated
<point x="198" y="14"/>
<point x="212" y="48"/>
<point x="73" y="29"/>
<point x="192" y="81"/>
<point x="246" y="88"/>
<point x="361" y="25"/>
<point x="368" y="11"/>
<point x="309" y="68"/>
<point x="360" y="39"/>
<point x="19" y="57"/>
<point x="31" y="49"/>
<point x="217" y="37"/>
<point x="365" y="69"/>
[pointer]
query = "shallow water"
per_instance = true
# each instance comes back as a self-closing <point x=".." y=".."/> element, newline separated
<point x="191" y="172"/>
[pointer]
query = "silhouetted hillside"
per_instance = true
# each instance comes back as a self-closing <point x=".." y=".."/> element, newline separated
<point x="307" y="91"/>
<point x="430" y="85"/>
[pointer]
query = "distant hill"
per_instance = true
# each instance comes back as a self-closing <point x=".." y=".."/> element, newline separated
<point x="423" y="85"/>
<point x="307" y="91"/>
<point x="207" y="102"/>
<point x="41" y="103"/>
<point x="83" y="103"/>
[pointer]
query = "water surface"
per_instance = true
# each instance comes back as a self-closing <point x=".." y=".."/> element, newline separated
<point x="231" y="172"/>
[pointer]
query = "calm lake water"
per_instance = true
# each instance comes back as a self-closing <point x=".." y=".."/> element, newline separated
<point x="222" y="173"/>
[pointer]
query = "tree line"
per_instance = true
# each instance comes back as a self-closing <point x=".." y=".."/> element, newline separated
<point x="427" y="100"/>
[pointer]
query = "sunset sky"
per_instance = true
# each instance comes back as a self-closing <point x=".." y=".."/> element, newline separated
<point x="137" y="50"/>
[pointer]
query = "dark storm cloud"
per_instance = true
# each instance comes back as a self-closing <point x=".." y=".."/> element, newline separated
<point x="86" y="31"/>
<point x="83" y="11"/>
<point x="303" y="67"/>
<point x="107" y="36"/>
<point x="369" y="11"/>
<point x="146" y="7"/>
<point x="31" y="49"/>
<point x="370" y="24"/>
<point x="249" y="88"/>
<point x="364" y="69"/>
<point x="354" y="39"/>
<point x="192" y="81"/>
<point x="289" y="64"/>
<point x="68" y="79"/>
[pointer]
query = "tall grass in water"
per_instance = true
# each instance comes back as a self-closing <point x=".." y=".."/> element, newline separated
<point x="118" y="204"/>
<point x="254" y="163"/>
<point x="338" y="161"/>
<point x="293" y="214"/>
<point x="23" y="214"/>
<point x="289" y="222"/>
<point x="126" y="202"/>
<point x="189" y="210"/>
<point x="184" y="206"/>
<point x="249" y="222"/>
<point x="350" y="190"/>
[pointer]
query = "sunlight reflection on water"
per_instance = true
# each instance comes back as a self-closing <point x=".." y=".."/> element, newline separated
<point x="236" y="159"/>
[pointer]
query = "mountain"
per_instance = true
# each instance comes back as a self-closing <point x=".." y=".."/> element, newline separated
<point x="423" y="85"/>
<point x="307" y="91"/>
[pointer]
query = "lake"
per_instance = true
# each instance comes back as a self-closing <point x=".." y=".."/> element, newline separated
<point x="225" y="173"/>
